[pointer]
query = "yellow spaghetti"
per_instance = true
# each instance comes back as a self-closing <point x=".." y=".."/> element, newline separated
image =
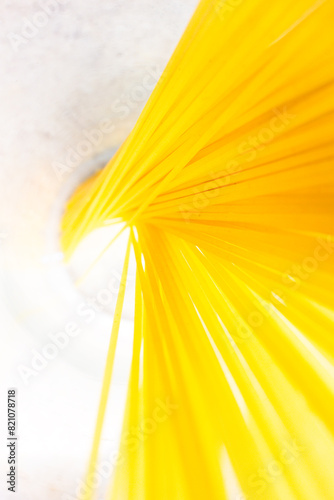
<point x="226" y="183"/>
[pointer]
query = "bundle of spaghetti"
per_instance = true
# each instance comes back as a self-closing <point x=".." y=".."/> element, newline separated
<point x="226" y="183"/>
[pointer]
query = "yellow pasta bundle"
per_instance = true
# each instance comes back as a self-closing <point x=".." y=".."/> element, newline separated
<point x="227" y="184"/>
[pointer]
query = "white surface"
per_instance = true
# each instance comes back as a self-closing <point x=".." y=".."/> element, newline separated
<point x="89" y="62"/>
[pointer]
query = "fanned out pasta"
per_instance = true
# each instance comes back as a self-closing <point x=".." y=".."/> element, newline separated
<point x="226" y="183"/>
